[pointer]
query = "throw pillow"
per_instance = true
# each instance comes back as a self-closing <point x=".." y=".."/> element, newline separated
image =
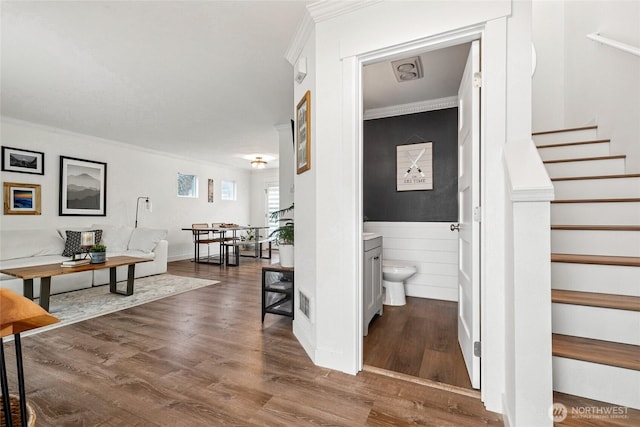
<point x="146" y="239"/>
<point x="74" y="239"/>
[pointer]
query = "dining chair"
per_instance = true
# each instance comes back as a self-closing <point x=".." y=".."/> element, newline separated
<point x="203" y="237"/>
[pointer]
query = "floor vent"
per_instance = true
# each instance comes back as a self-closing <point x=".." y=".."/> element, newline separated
<point x="304" y="305"/>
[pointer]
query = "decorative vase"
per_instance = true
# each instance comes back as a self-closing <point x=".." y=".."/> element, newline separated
<point x="286" y="255"/>
<point x="98" y="257"/>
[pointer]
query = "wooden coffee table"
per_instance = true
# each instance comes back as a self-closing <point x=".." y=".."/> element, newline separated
<point x="47" y="271"/>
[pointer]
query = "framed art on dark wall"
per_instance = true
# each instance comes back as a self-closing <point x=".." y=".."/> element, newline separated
<point x="23" y="161"/>
<point x="83" y="187"/>
<point x="303" y="134"/>
<point x="21" y="199"/>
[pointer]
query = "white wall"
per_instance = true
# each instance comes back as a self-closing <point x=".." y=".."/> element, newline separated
<point x="431" y="247"/>
<point x="287" y="164"/>
<point x="131" y="172"/>
<point x="329" y="195"/>
<point x="595" y="84"/>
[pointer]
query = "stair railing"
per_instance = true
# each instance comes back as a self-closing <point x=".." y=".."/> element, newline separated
<point x="614" y="43"/>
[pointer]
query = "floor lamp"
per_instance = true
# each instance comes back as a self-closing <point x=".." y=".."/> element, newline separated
<point x="147" y="206"/>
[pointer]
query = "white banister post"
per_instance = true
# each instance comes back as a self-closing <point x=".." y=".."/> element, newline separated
<point x="528" y="323"/>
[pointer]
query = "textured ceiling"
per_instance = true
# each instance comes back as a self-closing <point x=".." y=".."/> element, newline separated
<point x="200" y="79"/>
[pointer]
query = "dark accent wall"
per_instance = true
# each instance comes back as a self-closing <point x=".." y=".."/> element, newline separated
<point x="381" y="136"/>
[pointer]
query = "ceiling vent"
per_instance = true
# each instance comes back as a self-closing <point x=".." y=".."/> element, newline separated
<point x="407" y="69"/>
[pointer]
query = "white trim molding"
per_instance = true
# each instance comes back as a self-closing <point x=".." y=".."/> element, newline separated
<point x="411" y="108"/>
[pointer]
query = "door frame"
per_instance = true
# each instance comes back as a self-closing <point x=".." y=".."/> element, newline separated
<point x="396" y="52"/>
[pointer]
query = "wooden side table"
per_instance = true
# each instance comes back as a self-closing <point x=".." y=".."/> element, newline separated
<point x="277" y="290"/>
<point x="17" y="314"/>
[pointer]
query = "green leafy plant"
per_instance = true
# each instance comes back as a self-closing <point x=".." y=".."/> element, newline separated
<point x="284" y="234"/>
<point x="98" y="248"/>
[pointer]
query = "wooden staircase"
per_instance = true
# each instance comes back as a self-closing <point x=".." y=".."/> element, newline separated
<point x="595" y="270"/>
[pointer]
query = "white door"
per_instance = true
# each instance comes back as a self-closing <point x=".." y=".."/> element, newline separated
<point x="469" y="201"/>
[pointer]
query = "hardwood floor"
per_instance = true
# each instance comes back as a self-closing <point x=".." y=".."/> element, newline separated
<point x="203" y="358"/>
<point x="418" y="339"/>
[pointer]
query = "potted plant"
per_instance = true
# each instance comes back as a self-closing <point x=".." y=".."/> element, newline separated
<point x="98" y="253"/>
<point x="284" y="235"/>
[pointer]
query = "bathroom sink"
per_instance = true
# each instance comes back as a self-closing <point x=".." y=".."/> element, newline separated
<point x="369" y="236"/>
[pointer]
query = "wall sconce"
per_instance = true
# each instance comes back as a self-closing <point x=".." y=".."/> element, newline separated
<point x="258" y="163"/>
<point x="147" y="206"/>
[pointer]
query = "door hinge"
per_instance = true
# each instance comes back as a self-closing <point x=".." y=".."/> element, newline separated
<point x="476" y="349"/>
<point x="477" y="214"/>
<point x="477" y="80"/>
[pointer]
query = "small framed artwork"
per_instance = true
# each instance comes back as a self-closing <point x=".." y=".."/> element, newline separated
<point x="210" y="190"/>
<point x="414" y="167"/>
<point x="83" y="187"/>
<point x="303" y="134"/>
<point x="21" y="199"/>
<point x="23" y="161"/>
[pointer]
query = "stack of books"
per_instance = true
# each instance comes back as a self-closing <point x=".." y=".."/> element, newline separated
<point x="75" y="263"/>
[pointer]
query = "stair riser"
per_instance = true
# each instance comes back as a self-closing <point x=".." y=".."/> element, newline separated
<point x="587" y="242"/>
<point x="586" y="168"/>
<point x="619" y="280"/>
<point x="597" y="323"/>
<point x="627" y="213"/>
<point x="598" y="382"/>
<point x="597" y="189"/>
<point x="560" y="137"/>
<point x="575" y="151"/>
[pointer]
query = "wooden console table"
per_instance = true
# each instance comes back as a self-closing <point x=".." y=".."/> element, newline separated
<point x="277" y="290"/>
<point x="47" y="271"/>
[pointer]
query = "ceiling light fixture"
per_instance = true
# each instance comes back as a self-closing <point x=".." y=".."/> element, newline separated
<point x="407" y="69"/>
<point x="258" y="163"/>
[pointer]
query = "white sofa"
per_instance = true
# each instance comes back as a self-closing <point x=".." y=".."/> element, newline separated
<point x="23" y="248"/>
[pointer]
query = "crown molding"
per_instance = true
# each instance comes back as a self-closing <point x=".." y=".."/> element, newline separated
<point x="318" y="12"/>
<point x="411" y="108"/>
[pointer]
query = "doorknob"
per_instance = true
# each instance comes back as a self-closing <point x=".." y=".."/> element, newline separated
<point x="455" y="227"/>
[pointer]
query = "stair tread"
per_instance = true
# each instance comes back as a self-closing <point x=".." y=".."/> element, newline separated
<point x="597" y="351"/>
<point x="585" y="178"/>
<point x="545" y="132"/>
<point x="586" y="159"/>
<point x="596" y="259"/>
<point x="569" y="144"/>
<point x="597" y="227"/>
<point x="594" y="299"/>
<point x="618" y="200"/>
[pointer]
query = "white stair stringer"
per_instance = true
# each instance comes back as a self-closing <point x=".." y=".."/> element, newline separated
<point x="605" y="383"/>
<point x="584" y="321"/>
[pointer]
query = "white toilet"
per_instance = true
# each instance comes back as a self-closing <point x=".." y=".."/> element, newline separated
<point x="394" y="273"/>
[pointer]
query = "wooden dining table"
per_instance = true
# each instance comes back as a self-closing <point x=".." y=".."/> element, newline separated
<point x="223" y="238"/>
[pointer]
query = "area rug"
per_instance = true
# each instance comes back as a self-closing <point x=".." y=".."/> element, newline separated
<point x="76" y="306"/>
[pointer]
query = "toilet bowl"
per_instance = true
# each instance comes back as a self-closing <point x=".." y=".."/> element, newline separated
<point x="394" y="273"/>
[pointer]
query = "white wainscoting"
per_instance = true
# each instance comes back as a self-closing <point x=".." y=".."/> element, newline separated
<point x="432" y="246"/>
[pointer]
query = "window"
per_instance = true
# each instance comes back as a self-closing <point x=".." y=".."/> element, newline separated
<point x="228" y="189"/>
<point x="187" y="185"/>
<point x="272" y="193"/>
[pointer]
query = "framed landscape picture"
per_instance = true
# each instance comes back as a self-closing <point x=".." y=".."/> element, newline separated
<point x="21" y="199"/>
<point x="303" y="134"/>
<point x="23" y="161"/>
<point x="83" y="187"/>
